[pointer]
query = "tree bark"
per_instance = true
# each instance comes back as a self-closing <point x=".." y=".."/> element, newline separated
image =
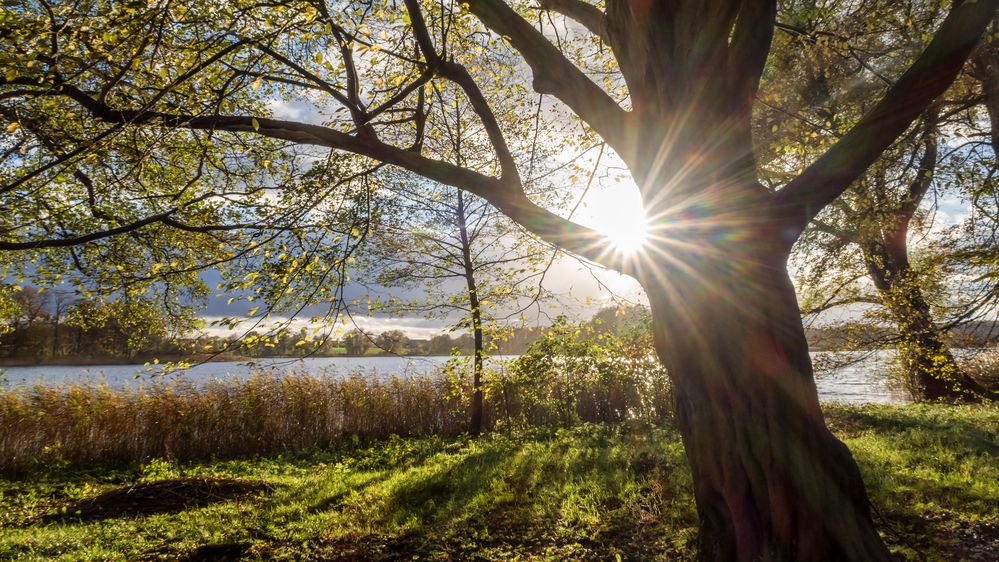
<point x="770" y="480"/>
<point x="985" y="67"/>
<point x="475" y="421"/>
<point x="931" y="373"/>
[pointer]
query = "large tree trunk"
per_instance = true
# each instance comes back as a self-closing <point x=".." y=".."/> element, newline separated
<point x="770" y="480"/>
<point x="930" y="370"/>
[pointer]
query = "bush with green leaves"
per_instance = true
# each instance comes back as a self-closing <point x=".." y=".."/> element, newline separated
<point x="578" y="372"/>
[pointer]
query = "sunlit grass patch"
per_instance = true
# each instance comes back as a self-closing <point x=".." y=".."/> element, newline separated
<point x="590" y="492"/>
<point x="932" y="473"/>
<point x="586" y="491"/>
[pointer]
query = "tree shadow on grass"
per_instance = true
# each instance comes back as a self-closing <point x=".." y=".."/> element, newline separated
<point x="958" y="432"/>
<point x="920" y="470"/>
<point x="221" y="552"/>
<point x="164" y="496"/>
<point x="922" y="515"/>
<point x="570" y="498"/>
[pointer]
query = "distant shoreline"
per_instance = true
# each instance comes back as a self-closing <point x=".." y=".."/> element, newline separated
<point x="222" y="358"/>
<point x="236" y="358"/>
<point x="87" y="361"/>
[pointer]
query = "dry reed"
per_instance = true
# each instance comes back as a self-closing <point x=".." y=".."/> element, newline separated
<point x="86" y="424"/>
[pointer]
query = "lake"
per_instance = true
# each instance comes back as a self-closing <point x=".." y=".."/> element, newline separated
<point x="860" y="380"/>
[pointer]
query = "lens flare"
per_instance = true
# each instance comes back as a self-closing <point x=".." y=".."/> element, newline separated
<point x="628" y="233"/>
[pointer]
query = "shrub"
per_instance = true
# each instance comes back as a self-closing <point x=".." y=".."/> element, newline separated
<point x="575" y="373"/>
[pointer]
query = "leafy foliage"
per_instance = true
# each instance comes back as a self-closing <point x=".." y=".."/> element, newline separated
<point x="575" y="372"/>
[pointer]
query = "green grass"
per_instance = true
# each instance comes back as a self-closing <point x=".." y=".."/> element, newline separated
<point x="933" y="476"/>
<point x="592" y="492"/>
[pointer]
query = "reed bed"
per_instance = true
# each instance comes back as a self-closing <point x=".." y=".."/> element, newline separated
<point x="93" y="424"/>
<point x="83" y="424"/>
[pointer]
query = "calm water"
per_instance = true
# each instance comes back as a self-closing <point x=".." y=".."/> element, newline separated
<point x="856" y="378"/>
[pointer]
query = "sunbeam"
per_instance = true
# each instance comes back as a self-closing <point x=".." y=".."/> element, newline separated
<point x="628" y="233"/>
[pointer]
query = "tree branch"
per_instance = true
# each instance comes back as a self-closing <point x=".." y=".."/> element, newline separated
<point x="924" y="175"/>
<point x="508" y="197"/>
<point x="826" y="178"/>
<point x="356" y="112"/>
<point x="164" y="218"/>
<point x="459" y="75"/>
<point x="986" y="69"/>
<point x="555" y="75"/>
<point x="588" y="15"/>
<point x="751" y="38"/>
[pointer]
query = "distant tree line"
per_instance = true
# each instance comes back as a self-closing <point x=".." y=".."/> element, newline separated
<point x="40" y="325"/>
<point x="864" y="335"/>
<point x="37" y="325"/>
<point x="359" y="342"/>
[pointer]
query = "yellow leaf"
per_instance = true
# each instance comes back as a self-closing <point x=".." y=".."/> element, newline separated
<point x="13" y="127"/>
<point x="256" y="83"/>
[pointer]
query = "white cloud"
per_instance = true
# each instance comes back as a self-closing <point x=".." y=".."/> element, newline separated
<point x="281" y="109"/>
<point x="414" y="327"/>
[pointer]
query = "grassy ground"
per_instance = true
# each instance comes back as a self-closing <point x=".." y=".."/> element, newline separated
<point x="594" y="492"/>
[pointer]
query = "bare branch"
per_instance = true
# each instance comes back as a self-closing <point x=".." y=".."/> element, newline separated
<point x="356" y="112"/>
<point x="460" y="75"/>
